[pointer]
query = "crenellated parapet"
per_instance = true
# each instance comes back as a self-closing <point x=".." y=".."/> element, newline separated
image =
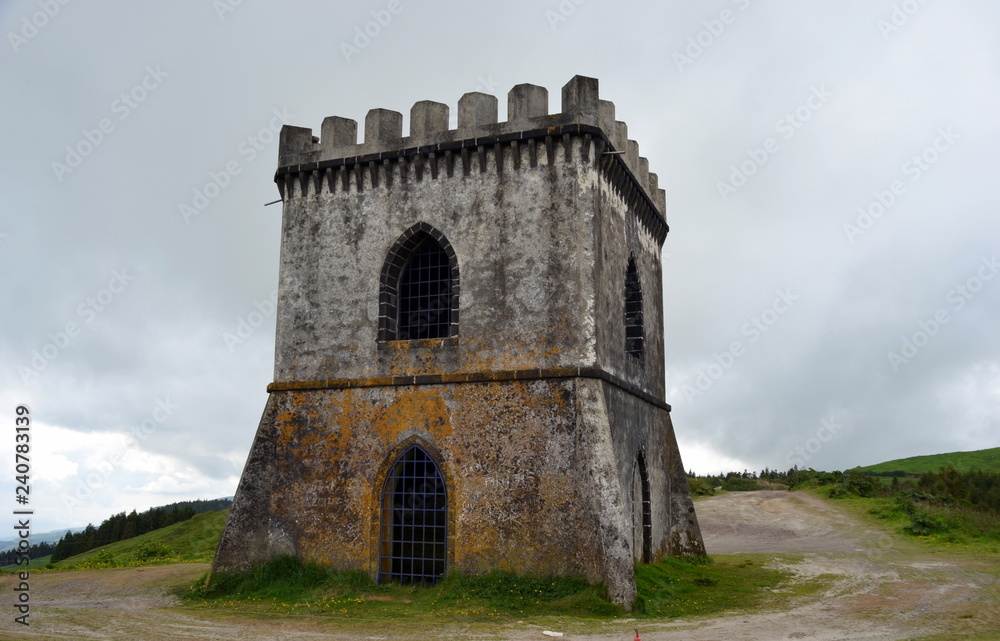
<point x="585" y="126"/>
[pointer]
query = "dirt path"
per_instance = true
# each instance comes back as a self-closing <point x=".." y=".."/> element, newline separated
<point x="881" y="588"/>
<point x="740" y="522"/>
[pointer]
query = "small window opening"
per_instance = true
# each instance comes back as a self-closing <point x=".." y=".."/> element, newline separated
<point x="634" y="334"/>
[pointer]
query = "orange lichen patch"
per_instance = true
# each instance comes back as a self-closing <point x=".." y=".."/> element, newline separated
<point x="327" y="445"/>
<point x="415" y="408"/>
<point x="348" y="552"/>
<point x="286" y="420"/>
<point x="556" y="490"/>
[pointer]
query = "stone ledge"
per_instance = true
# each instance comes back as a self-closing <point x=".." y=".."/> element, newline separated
<point x="469" y="377"/>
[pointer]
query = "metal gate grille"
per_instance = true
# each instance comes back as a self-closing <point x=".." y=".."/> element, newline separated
<point x="425" y="294"/>
<point x="414" y="521"/>
<point x="642" y="504"/>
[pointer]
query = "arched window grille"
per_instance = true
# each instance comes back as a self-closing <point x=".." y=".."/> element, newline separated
<point x="419" y="287"/>
<point x="414" y="536"/>
<point x="634" y="333"/>
<point x="642" y="521"/>
<point x="425" y="293"/>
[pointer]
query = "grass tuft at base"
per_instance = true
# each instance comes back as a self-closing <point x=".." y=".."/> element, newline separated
<point x="672" y="588"/>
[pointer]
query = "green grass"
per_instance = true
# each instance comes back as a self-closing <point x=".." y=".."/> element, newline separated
<point x="977" y="461"/>
<point x="672" y="588"/>
<point x="944" y="527"/>
<point x="40" y="562"/>
<point x="193" y="540"/>
<point x="681" y="588"/>
<point x="285" y="585"/>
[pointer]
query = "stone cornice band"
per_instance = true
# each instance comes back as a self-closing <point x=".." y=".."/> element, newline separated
<point x="469" y="377"/>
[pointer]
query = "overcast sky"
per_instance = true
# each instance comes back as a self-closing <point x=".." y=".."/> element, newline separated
<point x="830" y="274"/>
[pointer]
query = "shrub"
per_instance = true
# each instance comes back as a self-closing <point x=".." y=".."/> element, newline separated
<point x="924" y="524"/>
<point x="861" y="485"/>
<point x="701" y="486"/>
<point x="152" y="550"/>
<point x="837" y="492"/>
<point x="737" y="484"/>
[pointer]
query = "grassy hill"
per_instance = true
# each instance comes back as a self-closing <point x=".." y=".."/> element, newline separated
<point x="977" y="461"/>
<point x="192" y="540"/>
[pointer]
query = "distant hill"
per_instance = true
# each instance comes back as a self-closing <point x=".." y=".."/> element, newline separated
<point x="199" y="506"/>
<point x="123" y="526"/>
<point x="192" y="540"/>
<point x="977" y="461"/>
<point x="39" y="537"/>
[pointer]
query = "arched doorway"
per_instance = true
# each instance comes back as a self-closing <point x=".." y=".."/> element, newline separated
<point x="642" y="522"/>
<point x="414" y="532"/>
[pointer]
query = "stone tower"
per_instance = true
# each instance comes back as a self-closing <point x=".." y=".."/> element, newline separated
<point x="469" y="366"/>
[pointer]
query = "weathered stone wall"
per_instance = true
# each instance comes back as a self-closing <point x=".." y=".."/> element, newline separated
<point x="619" y="234"/>
<point x="521" y="461"/>
<point x="638" y="427"/>
<point x="524" y="241"/>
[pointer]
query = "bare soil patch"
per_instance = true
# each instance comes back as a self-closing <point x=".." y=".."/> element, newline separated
<point x="880" y="588"/>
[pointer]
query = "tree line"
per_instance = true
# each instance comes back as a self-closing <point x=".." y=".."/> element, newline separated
<point x="123" y="526"/>
<point x="978" y="490"/>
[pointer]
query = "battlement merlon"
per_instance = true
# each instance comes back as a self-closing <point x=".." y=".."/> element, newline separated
<point x="527" y="110"/>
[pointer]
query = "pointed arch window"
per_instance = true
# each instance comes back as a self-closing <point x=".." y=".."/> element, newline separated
<point x="419" y="287"/>
<point x="634" y="332"/>
<point x="414" y="532"/>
